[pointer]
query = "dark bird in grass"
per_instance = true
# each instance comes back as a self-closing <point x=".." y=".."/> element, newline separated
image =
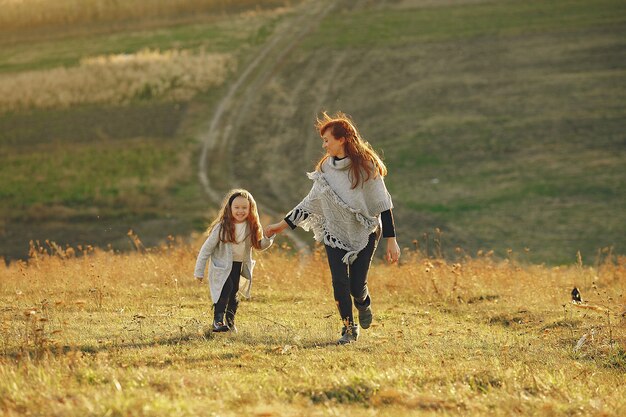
<point x="576" y="296"/>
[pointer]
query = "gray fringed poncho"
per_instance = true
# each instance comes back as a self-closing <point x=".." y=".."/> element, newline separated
<point x="340" y="216"/>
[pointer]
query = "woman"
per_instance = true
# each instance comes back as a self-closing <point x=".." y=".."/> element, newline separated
<point x="345" y="209"/>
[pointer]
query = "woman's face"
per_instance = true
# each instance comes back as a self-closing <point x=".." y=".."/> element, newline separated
<point x="240" y="208"/>
<point x="334" y="147"/>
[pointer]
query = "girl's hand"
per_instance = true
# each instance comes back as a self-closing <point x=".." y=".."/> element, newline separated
<point x="393" y="250"/>
<point x="200" y="279"/>
<point x="276" y="228"/>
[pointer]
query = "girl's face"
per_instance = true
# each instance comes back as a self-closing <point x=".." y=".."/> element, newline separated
<point x="334" y="147"/>
<point x="239" y="209"/>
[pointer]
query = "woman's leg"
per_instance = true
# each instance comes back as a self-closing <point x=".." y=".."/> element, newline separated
<point x="359" y="271"/>
<point x="341" y="284"/>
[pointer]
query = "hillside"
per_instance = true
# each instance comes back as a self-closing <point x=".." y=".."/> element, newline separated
<point x="502" y="123"/>
<point x="98" y="118"/>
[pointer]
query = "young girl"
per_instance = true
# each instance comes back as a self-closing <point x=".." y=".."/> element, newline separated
<point x="345" y="208"/>
<point x="232" y="235"/>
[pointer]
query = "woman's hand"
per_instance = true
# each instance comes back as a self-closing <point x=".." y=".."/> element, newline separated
<point x="393" y="250"/>
<point x="274" y="229"/>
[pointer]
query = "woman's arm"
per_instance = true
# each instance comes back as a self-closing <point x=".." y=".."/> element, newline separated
<point x="393" y="250"/>
<point x="389" y="232"/>
<point x="389" y="228"/>
<point x="276" y="228"/>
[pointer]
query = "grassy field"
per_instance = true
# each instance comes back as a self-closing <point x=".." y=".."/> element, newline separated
<point x="502" y="122"/>
<point x="98" y="123"/>
<point x="126" y="334"/>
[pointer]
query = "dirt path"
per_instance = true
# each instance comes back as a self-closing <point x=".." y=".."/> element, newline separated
<point x="217" y="147"/>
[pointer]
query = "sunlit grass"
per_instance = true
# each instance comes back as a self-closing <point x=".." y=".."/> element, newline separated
<point x="88" y="331"/>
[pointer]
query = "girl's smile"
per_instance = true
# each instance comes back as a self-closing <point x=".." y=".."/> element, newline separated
<point x="240" y="209"/>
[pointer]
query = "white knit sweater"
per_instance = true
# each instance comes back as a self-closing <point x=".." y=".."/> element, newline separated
<point x="340" y="216"/>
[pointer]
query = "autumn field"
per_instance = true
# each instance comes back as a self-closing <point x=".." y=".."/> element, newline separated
<point x="92" y="332"/>
<point x="502" y="125"/>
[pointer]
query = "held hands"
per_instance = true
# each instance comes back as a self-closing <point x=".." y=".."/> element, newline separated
<point x="200" y="279"/>
<point x="274" y="229"/>
<point x="393" y="250"/>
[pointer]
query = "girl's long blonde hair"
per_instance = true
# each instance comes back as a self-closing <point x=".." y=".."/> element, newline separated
<point x="364" y="161"/>
<point x="225" y="218"/>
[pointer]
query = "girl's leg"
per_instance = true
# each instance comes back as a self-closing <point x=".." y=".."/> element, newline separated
<point x="219" y="322"/>
<point x="220" y="306"/>
<point x="341" y="284"/>
<point x="233" y="298"/>
<point x="359" y="271"/>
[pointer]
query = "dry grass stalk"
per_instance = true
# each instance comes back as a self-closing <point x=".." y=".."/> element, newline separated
<point x="490" y="337"/>
<point x="116" y="79"/>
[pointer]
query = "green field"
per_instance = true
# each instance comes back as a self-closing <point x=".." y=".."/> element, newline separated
<point x="502" y="124"/>
<point x="89" y="173"/>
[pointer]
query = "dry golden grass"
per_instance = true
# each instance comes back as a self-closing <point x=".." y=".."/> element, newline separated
<point x="90" y="332"/>
<point x="29" y="14"/>
<point x="115" y="79"/>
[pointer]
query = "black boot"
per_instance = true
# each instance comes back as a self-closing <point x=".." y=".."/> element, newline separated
<point x="349" y="334"/>
<point x="230" y="321"/>
<point x="365" y="312"/>
<point x="218" y="323"/>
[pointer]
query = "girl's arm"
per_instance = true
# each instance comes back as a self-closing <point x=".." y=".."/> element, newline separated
<point x="205" y="252"/>
<point x="266" y="242"/>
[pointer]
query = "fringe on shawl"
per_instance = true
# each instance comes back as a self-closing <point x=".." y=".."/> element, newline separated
<point x="308" y="220"/>
<point x="325" y="187"/>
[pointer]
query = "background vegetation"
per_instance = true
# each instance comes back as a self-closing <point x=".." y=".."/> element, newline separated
<point x="99" y="121"/>
<point x="502" y="122"/>
<point x="37" y="14"/>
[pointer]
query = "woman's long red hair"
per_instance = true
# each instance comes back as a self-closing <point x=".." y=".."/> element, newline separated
<point x="364" y="161"/>
<point x="225" y="218"/>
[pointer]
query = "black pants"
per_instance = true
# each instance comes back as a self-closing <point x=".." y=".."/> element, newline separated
<point x="229" y="299"/>
<point x="351" y="280"/>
